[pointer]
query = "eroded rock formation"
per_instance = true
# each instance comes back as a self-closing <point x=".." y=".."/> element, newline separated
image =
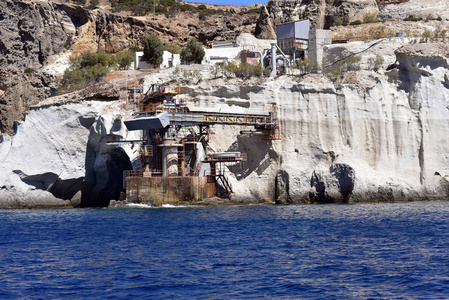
<point x="59" y="157"/>
<point x="382" y="137"/>
<point x="31" y="32"/>
<point x="321" y="13"/>
<point x="379" y="138"/>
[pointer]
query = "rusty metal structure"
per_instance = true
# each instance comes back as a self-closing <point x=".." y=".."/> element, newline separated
<point x="177" y="165"/>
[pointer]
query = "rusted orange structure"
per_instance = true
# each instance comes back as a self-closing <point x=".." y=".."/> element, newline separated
<point x="177" y="166"/>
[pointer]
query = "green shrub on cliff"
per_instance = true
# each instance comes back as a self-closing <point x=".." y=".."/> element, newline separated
<point x="306" y="66"/>
<point x="413" y="19"/>
<point x="356" y="22"/>
<point x="87" y="68"/>
<point x="252" y="11"/>
<point x="167" y="7"/>
<point x="370" y="18"/>
<point x="193" y="52"/>
<point x="172" y="48"/>
<point x="124" y="59"/>
<point x="153" y="50"/>
<point x="29" y="71"/>
<point x="93" y="4"/>
<point x="244" y="70"/>
<point x="376" y="63"/>
<point x="79" y="2"/>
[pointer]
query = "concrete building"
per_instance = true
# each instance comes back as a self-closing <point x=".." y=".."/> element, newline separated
<point x="245" y="48"/>
<point x="293" y="39"/>
<point x="169" y="60"/>
<point x="222" y="52"/>
<point x="298" y="41"/>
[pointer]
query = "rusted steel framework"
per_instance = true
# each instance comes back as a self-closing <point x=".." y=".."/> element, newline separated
<point x="176" y="159"/>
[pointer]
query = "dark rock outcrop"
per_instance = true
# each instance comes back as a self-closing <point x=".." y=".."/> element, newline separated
<point x="18" y="91"/>
<point x="31" y="32"/>
<point x="282" y="188"/>
<point x="345" y="176"/>
<point x="102" y="90"/>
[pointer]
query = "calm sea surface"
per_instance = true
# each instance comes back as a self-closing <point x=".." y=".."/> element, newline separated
<point x="369" y="251"/>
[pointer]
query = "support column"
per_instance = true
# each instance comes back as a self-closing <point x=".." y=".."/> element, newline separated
<point x="273" y="60"/>
<point x="169" y="160"/>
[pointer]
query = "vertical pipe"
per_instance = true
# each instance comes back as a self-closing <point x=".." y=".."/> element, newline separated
<point x="273" y="60"/>
<point x="170" y="161"/>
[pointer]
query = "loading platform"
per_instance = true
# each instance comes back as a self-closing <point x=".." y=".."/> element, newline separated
<point x="176" y="162"/>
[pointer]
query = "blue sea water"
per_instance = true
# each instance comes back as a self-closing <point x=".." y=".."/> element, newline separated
<point x="366" y="251"/>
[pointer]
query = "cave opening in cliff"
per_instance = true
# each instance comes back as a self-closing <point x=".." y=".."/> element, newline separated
<point x="105" y="183"/>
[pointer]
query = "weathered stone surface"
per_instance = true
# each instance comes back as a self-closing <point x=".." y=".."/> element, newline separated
<point x="398" y="10"/>
<point x="378" y="138"/>
<point x="101" y="90"/>
<point x="32" y="32"/>
<point x="382" y="137"/>
<point x="19" y="92"/>
<point x="321" y="13"/>
<point x="59" y="157"/>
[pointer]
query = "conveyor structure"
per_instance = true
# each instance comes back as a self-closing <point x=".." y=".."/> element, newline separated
<point x="176" y="163"/>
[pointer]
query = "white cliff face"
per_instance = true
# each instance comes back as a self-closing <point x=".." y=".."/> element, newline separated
<point x="382" y="140"/>
<point x="43" y="165"/>
<point x="368" y="137"/>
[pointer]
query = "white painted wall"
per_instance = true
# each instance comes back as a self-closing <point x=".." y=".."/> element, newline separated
<point x="222" y="54"/>
<point x="167" y="58"/>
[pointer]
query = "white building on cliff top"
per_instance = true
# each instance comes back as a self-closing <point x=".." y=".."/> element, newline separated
<point x="168" y="60"/>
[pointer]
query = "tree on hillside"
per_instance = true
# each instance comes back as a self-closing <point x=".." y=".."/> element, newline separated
<point x="153" y="50"/>
<point x="193" y="52"/>
<point x="87" y="68"/>
<point x="124" y="59"/>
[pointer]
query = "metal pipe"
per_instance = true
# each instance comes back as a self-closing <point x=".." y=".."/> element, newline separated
<point x="273" y="60"/>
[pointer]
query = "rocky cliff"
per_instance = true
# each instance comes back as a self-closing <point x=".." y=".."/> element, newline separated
<point x="321" y="13"/>
<point x="381" y="137"/>
<point x="398" y="10"/>
<point x="32" y="31"/>
<point x="367" y="137"/>
<point x="36" y="33"/>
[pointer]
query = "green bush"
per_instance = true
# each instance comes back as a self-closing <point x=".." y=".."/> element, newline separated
<point x="370" y="18"/>
<point x="153" y="50"/>
<point x="351" y="63"/>
<point x="336" y="74"/>
<point x="209" y="12"/>
<point x="252" y="11"/>
<point x="426" y="35"/>
<point x="93" y="4"/>
<point x="29" y="71"/>
<point x="172" y="48"/>
<point x="124" y="59"/>
<point x="192" y="76"/>
<point x="193" y="52"/>
<point x="175" y="74"/>
<point x="376" y="63"/>
<point x="413" y="19"/>
<point x="215" y="70"/>
<point x="338" y="22"/>
<point x="188" y="7"/>
<point x="306" y="66"/>
<point x="243" y="70"/>
<point x="88" y="67"/>
<point x="356" y="22"/>
<point x="79" y="2"/>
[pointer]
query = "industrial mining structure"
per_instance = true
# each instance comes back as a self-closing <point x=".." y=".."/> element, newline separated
<point x="177" y="165"/>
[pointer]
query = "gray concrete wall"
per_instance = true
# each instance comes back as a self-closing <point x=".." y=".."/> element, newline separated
<point x="318" y="38"/>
